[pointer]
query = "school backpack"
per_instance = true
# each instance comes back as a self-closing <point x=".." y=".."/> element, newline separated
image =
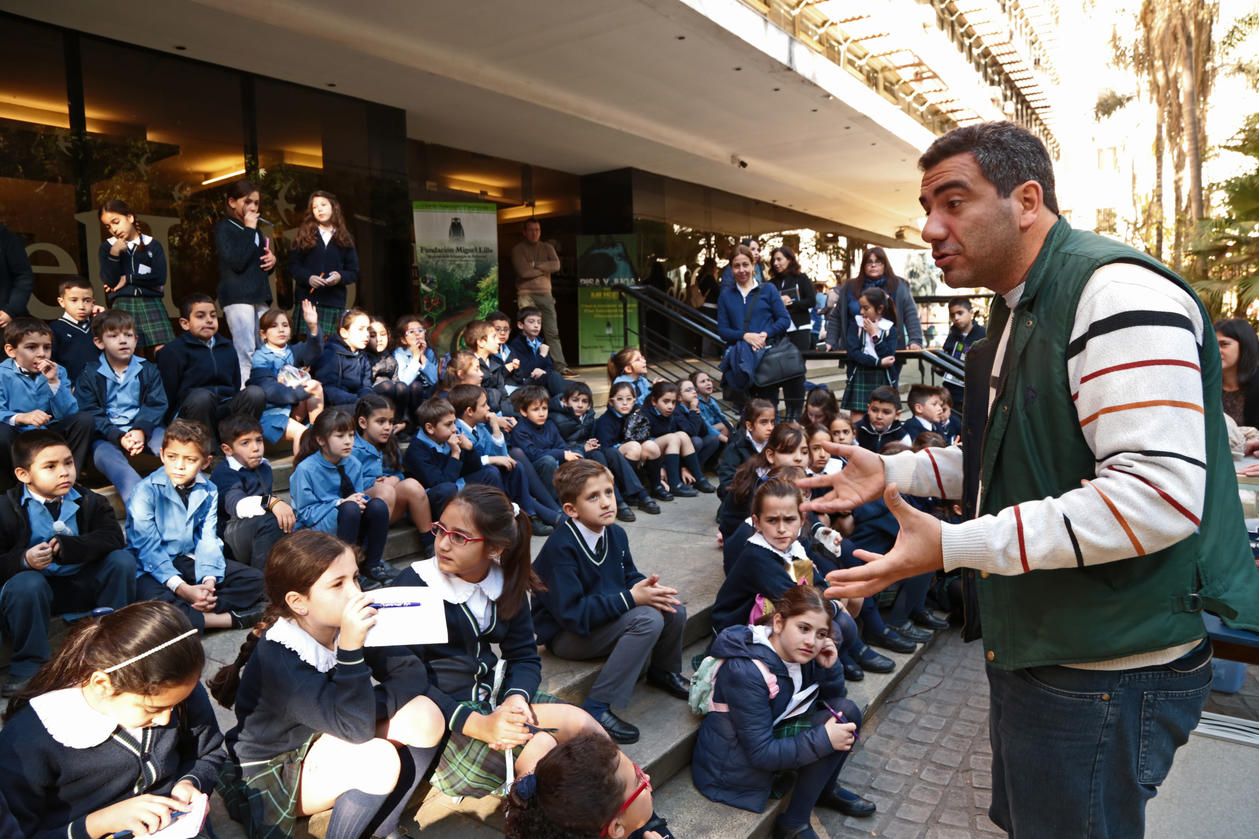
<point x="705" y="676"/>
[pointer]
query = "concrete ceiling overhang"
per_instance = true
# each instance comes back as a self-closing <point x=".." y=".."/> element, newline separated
<point x="684" y="88"/>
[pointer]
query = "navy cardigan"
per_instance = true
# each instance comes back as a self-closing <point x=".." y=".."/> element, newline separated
<point x="529" y="360"/>
<point x="768" y="314"/>
<point x="186" y="364"/>
<point x="462" y="669"/>
<point x="584" y="591"/>
<point x="538" y="441"/>
<point x="609" y="429"/>
<point x="92" y="391"/>
<point x="149" y="283"/>
<point x="322" y="260"/>
<point x="51" y="788"/>
<point x="345" y="374"/>
<point x="241" y="278"/>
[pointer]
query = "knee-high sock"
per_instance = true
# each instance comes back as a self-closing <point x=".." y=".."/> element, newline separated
<point x="415" y="763"/>
<point x="353" y="814"/>
<point x="691" y="461"/>
<point x="375" y="529"/>
<point x="672" y="470"/>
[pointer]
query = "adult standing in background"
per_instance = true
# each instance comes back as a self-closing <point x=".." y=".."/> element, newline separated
<point x="875" y="271"/>
<point x="245" y="265"/>
<point x="752" y="314"/>
<point x="534" y="262"/>
<point x="754" y="246"/>
<point x="1101" y="504"/>
<point x="16" y="277"/>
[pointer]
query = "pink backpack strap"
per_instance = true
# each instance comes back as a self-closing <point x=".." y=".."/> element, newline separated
<point x="771" y="683"/>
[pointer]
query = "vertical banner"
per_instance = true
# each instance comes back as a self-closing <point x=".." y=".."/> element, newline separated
<point x="456" y="250"/>
<point x="605" y="261"/>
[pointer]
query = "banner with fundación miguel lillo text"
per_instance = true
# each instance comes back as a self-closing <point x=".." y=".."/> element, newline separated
<point x="456" y="249"/>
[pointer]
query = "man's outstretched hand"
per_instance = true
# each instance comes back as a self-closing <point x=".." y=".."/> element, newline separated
<point x="917" y="551"/>
<point x="859" y="482"/>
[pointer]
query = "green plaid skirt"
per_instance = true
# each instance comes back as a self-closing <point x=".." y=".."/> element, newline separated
<point x="469" y="768"/>
<point x="265" y="800"/>
<point x="861" y="383"/>
<point x="328" y="318"/>
<point x="153" y="326"/>
<point x="790" y="727"/>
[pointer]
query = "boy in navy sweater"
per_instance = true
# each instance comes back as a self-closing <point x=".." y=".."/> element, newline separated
<point x="536" y="366"/>
<point x="201" y="371"/>
<point x="72" y="345"/>
<point x="597" y="603"/>
<point x="576" y="423"/>
<point x="61" y="550"/>
<point x="927" y="408"/>
<point x="537" y="436"/>
<point x="35" y="392"/>
<point x="251" y="518"/>
<point x="441" y="458"/>
<point x="125" y="396"/>
<point x="881" y="425"/>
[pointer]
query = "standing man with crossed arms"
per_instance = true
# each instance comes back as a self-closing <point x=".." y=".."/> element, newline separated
<point x="1102" y="507"/>
<point x="535" y="261"/>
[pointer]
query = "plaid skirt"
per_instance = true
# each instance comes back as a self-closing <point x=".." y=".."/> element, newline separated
<point x="153" y="326"/>
<point x="265" y="801"/>
<point x="861" y="383"/>
<point x="790" y="727"/>
<point x="469" y="768"/>
<point x="328" y="320"/>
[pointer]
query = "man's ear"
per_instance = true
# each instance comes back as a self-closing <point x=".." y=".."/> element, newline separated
<point x="1031" y="203"/>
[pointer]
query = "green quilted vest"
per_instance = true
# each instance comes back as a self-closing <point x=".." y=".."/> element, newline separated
<point x="1033" y="448"/>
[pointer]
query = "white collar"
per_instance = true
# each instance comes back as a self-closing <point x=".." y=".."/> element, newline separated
<point x="70" y="720"/>
<point x="796" y="551"/>
<point x="591" y="537"/>
<point x="760" y="447"/>
<point x="456" y="589"/>
<point x="288" y="634"/>
<point x="236" y="465"/>
<point x="81" y="325"/>
<point x="131" y="242"/>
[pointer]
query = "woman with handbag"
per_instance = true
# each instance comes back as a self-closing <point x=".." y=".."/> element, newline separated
<point x="752" y="320"/>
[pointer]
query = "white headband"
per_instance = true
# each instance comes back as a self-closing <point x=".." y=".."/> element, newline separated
<point x="150" y="652"/>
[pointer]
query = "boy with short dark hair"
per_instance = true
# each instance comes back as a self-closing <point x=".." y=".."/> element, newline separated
<point x="72" y="345"/>
<point x="597" y="603"/>
<point x="36" y="393"/>
<point x="963" y="333"/>
<point x="536" y="365"/>
<point x="881" y="424"/>
<point x="125" y="396"/>
<point x="61" y="551"/>
<point x="172" y="525"/>
<point x="441" y="458"/>
<point x="251" y="518"/>
<point x="475" y="421"/>
<point x="482" y="339"/>
<point x="201" y="371"/>
<point x="927" y="409"/>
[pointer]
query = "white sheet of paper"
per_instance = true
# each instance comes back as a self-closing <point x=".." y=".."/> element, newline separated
<point x="421" y="621"/>
<point x="188" y="826"/>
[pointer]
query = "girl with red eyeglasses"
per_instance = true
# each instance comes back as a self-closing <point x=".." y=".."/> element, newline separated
<point x="585" y="788"/>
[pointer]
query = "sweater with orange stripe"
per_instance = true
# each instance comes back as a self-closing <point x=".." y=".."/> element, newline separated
<point x="1133" y="369"/>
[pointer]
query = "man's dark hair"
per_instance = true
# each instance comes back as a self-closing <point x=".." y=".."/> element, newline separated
<point x="1007" y="156"/>
<point x="531" y="220"/>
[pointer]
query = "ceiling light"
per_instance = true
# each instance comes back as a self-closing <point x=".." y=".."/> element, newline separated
<point x="234" y="174"/>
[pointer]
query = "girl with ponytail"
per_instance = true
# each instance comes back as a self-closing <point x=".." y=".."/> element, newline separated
<point x="583" y="789"/>
<point x="483" y="572"/>
<point x="123" y="685"/>
<point x="312" y="733"/>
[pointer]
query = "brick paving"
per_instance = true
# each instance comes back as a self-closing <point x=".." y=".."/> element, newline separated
<point x="924" y="756"/>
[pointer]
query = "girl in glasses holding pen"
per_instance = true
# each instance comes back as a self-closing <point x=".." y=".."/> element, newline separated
<point x="114" y="733"/>
<point x="312" y="731"/>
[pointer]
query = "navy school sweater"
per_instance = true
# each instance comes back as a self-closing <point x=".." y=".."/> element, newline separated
<point x="738" y="450"/>
<point x="320" y="261"/>
<point x="529" y="360"/>
<point x="283" y="700"/>
<point x="72" y="346"/>
<point x="758" y="570"/>
<point x="657" y="422"/>
<point x="869" y="437"/>
<point x="432" y="467"/>
<point x="462" y="669"/>
<point x="610" y="428"/>
<point x="145" y="270"/>
<point x="241" y="277"/>
<point x="584" y="590"/>
<point x="235" y="485"/>
<point x="186" y="364"/>
<point x="92" y="391"/>
<point x="344" y="373"/>
<point x="51" y="788"/>
<point x="538" y="441"/>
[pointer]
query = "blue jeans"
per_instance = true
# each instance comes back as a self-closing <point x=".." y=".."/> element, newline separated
<point x="1079" y="752"/>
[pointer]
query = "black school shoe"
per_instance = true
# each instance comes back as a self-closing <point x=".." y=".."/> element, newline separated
<point x="617" y="728"/>
<point x="704" y="486"/>
<point x="366" y="583"/>
<point x="247" y="618"/>
<point x="868" y="659"/>
<point x="888" y="639"/>
<point x="659" y="493"/>
<point x="380" y="572"/>
<point x="684" y="491"/>
<point x="541" y="528"/>
<point x="674" y="684"/>
<point x="926" y="620"/>
<point x="847" y="802"/>
<point x="647" y="505"/>
<point x="624" y="513"/>
<point x="913" y="633"/>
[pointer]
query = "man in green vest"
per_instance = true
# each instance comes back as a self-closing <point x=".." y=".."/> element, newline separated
<point x="1102" y="508"/>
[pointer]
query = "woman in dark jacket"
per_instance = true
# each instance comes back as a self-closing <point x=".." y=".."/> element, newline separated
<point x="876" y="271"/>
<point x="767" y="323"/>
<point x="797" y="295"/>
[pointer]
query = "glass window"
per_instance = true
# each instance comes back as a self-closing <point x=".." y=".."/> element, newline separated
<point x="166" y="136"/>
<point x="37" y="183"/>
